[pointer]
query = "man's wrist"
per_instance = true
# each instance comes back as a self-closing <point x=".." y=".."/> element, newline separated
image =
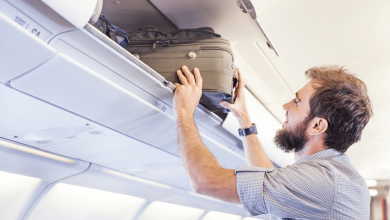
<point x="244" y="121"/>
<point x="182" y="114"/>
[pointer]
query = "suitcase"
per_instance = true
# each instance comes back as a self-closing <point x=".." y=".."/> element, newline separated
<point x="201" y="48"/>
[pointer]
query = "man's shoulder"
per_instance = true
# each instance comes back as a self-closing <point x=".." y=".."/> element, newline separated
<point x="339" y="165"/>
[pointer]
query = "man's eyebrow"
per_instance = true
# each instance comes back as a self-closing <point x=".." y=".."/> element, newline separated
<point x="296" y="95"/>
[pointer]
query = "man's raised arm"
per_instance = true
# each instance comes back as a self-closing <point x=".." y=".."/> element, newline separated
<point x="254" y="152"/>
<point x="206" y="174"/>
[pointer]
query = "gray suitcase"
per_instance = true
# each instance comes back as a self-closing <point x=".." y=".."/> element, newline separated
<point x="201" y="48"/>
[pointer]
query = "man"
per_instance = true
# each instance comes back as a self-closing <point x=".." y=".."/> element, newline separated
<point x="324" y="119"/>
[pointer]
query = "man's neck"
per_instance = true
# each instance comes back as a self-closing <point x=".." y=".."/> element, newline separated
<point x="308" y="150"/>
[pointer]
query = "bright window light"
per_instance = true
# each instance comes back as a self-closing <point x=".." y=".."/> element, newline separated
<point x="65" y="201"/>
<point x="17" y="192"/>
<point x="221" y="216"/>
<point x="371" y="183"/>
<point x="373" y="192"/>
<point x="167" y="211"/>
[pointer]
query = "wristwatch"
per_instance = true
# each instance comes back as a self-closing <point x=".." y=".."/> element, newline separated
<point x="248" y="131"/>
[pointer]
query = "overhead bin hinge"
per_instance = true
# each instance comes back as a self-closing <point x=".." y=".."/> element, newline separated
<point x="246" y="6"/>
<point x="164" y="84"/>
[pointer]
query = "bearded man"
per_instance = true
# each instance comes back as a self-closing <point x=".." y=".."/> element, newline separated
<point x="323" y="120"/>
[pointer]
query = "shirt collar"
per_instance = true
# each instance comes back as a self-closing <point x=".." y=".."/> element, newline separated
<point x="320" y="155"/>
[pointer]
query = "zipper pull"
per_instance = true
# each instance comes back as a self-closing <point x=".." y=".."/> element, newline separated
<point x="155" y="45"/>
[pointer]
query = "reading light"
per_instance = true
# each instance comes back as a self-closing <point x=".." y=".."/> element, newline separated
<point x="373" y="192"/>
<point x="37" y="152"/>
<point x="371" y="183"/>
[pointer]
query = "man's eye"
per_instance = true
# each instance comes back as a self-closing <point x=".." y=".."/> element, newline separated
<point x="296" y="101"/>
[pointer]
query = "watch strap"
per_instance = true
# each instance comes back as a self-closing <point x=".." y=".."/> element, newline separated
<point x="248" y="131"/>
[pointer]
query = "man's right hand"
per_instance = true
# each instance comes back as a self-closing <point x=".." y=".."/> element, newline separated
<point x="239" y="108"/>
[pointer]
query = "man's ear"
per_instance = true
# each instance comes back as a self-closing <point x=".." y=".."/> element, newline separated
<point x="318" y="126"/>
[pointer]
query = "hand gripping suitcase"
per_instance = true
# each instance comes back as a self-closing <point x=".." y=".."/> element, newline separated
<point x="201" y="48"/>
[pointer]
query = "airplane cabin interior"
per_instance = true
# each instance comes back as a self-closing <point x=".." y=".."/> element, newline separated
<point x="88" y="131"/>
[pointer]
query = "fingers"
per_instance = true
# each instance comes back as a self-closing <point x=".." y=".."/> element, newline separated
<point x="241" y="82"/>
<point x="182" y="78"/>
<point x="190" y="77"/>
<point x="198" y="78"/>
<point x="227" y="105"/>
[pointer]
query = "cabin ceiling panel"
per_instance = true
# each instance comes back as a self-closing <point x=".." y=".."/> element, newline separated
<point x="309" y="33"/>
<point x="374" y="149"/>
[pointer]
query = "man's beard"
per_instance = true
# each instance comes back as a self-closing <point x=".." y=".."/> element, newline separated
<point x="293" y="140"/>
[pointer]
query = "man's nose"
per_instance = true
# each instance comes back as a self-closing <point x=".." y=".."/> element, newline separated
<point x="287" y="106"/>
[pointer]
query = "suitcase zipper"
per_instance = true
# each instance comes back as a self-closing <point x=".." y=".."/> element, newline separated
<point x="218" y="48"/>
<point x="164" y="44"/>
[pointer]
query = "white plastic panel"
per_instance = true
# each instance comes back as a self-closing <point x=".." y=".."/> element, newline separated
<point x="25" y="172"/>
<point x="220" y="216"/>
<point x="77" y="12"/>
<point x="253" y="218"/>
<point x="226" y="157"/>
<point x="36" y="17"/>
<point x="36" y="164"/>
<point x="21" y="50"/>
<point x="207" y="203"/>
<point x="68" y="84"/>
<point x="16" y="194"/>
<point x="65" y="201"/>
<point x="100" y="145"/>
<point x="167" y="211"/>
<point x="55" y="130"/>
<point x="266" y="125"/>
<point x="114" y="65"/>
<point x="127" y="155"/>
<point x="110" y="180"/>
<point x="22" y="115"/>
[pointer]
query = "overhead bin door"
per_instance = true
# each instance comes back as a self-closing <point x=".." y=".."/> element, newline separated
<point x="21" y="51"/>
<point x="67" y="84"/>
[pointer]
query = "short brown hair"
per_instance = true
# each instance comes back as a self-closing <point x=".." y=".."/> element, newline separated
<point x="341" y="98"/>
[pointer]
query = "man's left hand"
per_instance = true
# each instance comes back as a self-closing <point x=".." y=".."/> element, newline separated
<point x="187" y="94"/>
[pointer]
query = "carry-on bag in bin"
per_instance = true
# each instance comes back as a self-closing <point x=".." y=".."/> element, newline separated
<point x="200" y="48"/>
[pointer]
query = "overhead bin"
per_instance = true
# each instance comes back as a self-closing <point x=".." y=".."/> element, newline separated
<point x="21" y="50"/>
<point x="106" y="58"/>
<point x="68" y="84"/>
<point x="76" y="12"/>
<point x="98" y="144"/>
<point x="36" y="17"/>
<point x="71" y="86"/>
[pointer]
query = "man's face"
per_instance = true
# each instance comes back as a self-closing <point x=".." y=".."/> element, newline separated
<point x="292" y="137"/>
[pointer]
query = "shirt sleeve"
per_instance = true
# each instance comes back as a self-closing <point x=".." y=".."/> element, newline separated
<point x="296" y="191"/>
